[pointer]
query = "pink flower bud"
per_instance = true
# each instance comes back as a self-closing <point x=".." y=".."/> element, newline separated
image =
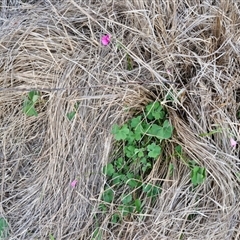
<point x="105" y="40"/>
<point x="233" y="142"/>
<point x="74" y="183"/>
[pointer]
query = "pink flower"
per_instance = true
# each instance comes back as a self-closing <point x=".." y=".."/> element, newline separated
<point x="233" y="142"/>
<point x="105" y="39"/>
<point x="74" y="183"/>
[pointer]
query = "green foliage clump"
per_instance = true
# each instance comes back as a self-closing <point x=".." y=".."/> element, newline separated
<point x="141" y="139"/>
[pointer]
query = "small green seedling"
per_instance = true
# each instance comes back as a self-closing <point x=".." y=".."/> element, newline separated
<point x="72" y="114"/>
<point x="30" y="102"/>
<point x="51" y="237"/>
<point x="198" y="174"/>
<point x="129" y="62"/>
<point x="3" y="228"/>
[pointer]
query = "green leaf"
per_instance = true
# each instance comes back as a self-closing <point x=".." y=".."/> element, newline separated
<point x="130" y="175"/>
<point x="115" y="218"/>
<point x="170" y="96"/>
<point x="127" y="199"/>
<point x="178" y="150"/>
<point x="35" y="98"/>
<point x="161" y="133"/>
<point x="71" y="115"/>
<point x="147" y="187"/>
<point x="108" y="195"/>
<point x="154" y="150"/>
<point x="124" y="178"/>
<point x="29" y="109"/>
<point x="155" y="130"/>
<point x="119" y="163"/>
<point x="155" y="111"/>
<point x="146" y="167"/>
<point x="145" y="128"/>
<point x="151" y="190"/>
<point x="3" y="228"/>
<point x="198" y="175"/>
<point x="76" y="106"/>
<point x="135" y="121"/>
<point x="51" y="237"/>
<point x="125" y="210"/>
<point x="133" y="183"/>
<point x="138" y="205"/>
<point x="129" y="151"/>
<point x="120" y="133"/>
<point x="31" y="95"/>
<point x="118" y="178"/>
<point x="102" y="207"/>
<point x="29" y="102"/>
<point x="143" y="160"/>
<point x="167" y="130"/>
<point x="139" y="152"/>
<point x="97" y="234"/>
<point x="137" y="134"/>
<point x="131" y="137"/>
<point x="108" y="170"/>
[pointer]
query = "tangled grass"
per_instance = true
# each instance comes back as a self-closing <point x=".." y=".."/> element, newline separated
<point x="189" y="49"/>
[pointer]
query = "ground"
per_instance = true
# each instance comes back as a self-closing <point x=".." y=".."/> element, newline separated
<point x="62" y="89"/>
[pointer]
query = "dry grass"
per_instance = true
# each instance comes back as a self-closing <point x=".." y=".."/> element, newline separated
<point x="188" y="47"/>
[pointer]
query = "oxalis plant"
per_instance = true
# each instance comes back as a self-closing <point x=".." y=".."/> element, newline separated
<point x="140" y="141"/>
<point x="30" y="102"/>
<point x="198" y="173"/>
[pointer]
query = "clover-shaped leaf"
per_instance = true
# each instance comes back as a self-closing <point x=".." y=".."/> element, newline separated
<point x="155" y="111"/>
<point x="153" y="150"/>
<point x="135" y="121"/>
<point x="109" y="170"/>
<point x="120" y="133"/>
<point x="108" y="195"/>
